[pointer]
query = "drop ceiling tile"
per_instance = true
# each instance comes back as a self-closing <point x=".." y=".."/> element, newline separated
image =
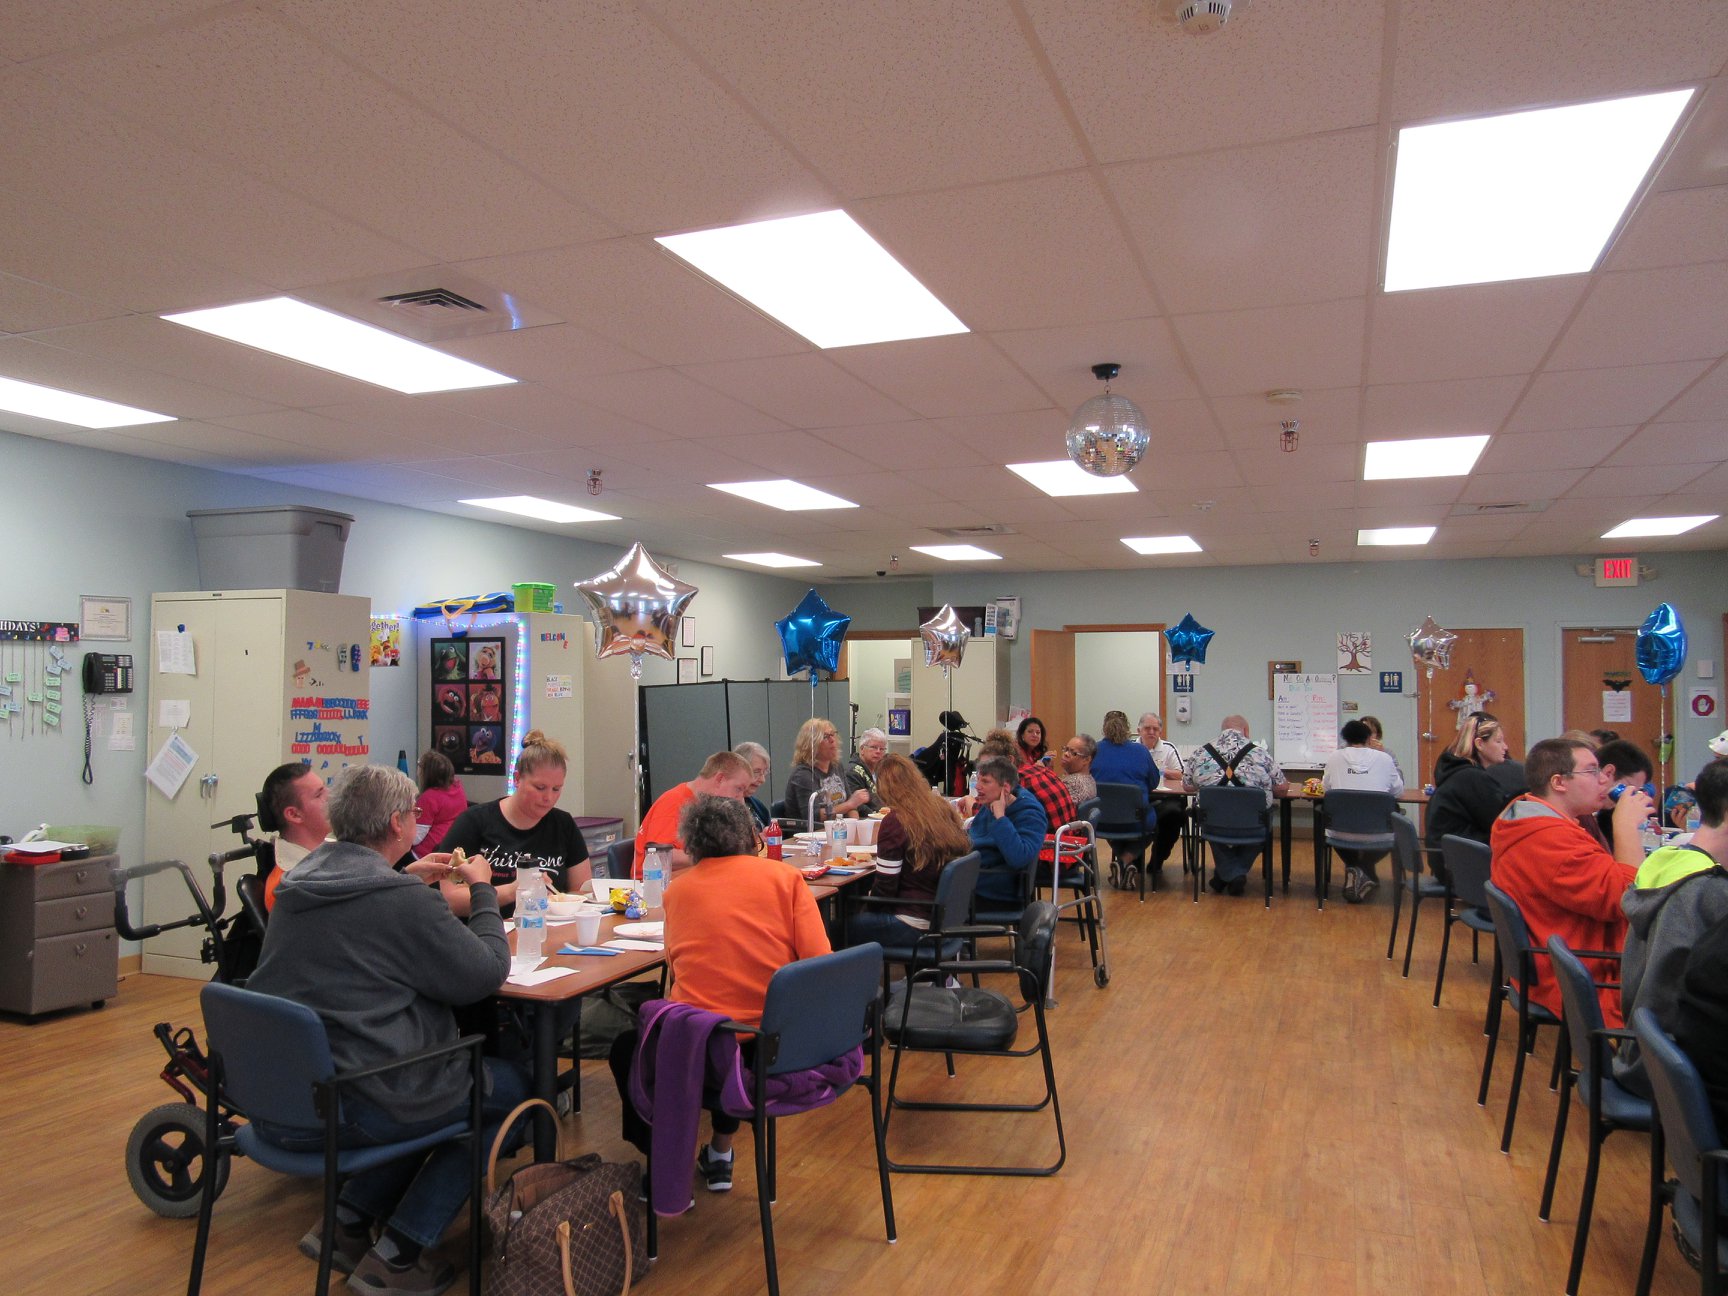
<point x="1503" y="488"/>
<point x="1453" y="408"/>
<point x="1034" y="253"/>
<point x="1421" y="493"/>
<point x="1060" y="360"/>
<point x="1600" y="397"/>
<point x="1312" y="469"/>
<point x="942" y="376"/>
<point x="671" y="401"/>
<point x="332" y="439"/>
<point x="1293" y="71"/>
<point x="1322" y="417"/>
<point x="29" y="360"/>
<point x="1674" y="443"/>
<point x="1456" y="57"/>
<point x="539" y="417"/>
<point x="1247" y="352"/>
<point x="884" y="100"/>
<point x="1029" y="436"/>
<point x="797" y="455"/>
<point x="806" y="390"/>
<point x="1649" y="317"/>
<point x="357" y="148"/>
<point x="1705" y="399"/>
<point x="550" y="354"/>
<point x="1574" y="448"/>
<point x="592" y="90"/>
<point x="902" y="446"/>
<point x="1670" y="229"/>
<point x="26" y="307"/>
<point x="426" y="420"/>
<point x="34" y="31"/>
<point x="1637" y="479"/>
<point x="1477" y="331"/>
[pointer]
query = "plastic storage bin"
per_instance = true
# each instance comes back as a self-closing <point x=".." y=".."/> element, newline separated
<point x="289" y="546"/>
<point x="532" y="596"/>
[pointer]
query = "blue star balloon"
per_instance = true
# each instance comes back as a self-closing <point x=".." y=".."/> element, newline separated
<point x="1188" y="640"/>
<point x="810" y="636"/>
<point x="1661" y="650"/>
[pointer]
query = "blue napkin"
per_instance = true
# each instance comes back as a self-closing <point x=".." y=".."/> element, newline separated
<point x="587" y="949"/>
<point x="841" y="872"/>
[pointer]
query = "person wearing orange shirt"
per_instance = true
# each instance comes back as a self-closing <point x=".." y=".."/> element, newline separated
<point x="732" y="921"/>
<point x="297" y="798"/>
<point x="1562" y="879"/>
<point x="724" y="774"/>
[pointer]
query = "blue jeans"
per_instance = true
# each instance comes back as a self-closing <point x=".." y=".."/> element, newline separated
<point x="417" y="1197"/>
<point x="885" y="928"/>
<point x="1232" y="862"/>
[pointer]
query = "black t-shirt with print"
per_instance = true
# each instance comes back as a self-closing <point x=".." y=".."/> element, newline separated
<point x="554" y="844"/>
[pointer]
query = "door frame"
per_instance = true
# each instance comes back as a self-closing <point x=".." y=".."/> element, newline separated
<point x="1131" y="627"/>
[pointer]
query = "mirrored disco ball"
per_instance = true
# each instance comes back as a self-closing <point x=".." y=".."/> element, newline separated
<point x="1108" y="436"/>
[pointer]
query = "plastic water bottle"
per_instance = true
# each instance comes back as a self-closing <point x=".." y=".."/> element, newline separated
<point x="771" y="839"/>
<point x="839" y="834"/>
<point x="531" y="902"/>
<point x="655" y="866"/>
<point x="402" y="761"/>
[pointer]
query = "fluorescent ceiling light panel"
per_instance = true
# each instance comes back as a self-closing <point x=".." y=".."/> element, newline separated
<point x="71" y="408"/>
<point x="1520" y="195"/>
<point x="1161" y="544"/>
<point x="1426" y="457"/>
<point x="1394" y="535"/>
<point x="319" y="337"/>
<point x="1658" y="526"/>
<point x="773" y="560"/>
<point x="783" y="493"/>
<point x="535" y="507"/>
<point x="958" y="553"/>
<point x="1065" y="477"/>
<point x="821" y="276"/>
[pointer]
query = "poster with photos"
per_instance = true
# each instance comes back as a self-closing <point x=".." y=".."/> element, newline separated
<point x="470" y="704"/>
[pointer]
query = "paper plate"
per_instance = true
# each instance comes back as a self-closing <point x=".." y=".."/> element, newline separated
<point x="641" y="930"/>
<point x="810" y="836"/>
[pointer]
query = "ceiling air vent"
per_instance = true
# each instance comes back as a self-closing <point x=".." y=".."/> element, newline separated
<point x="976" y="532"/>
<point x="432" y="303"/>
<point x="1502" y="506"/>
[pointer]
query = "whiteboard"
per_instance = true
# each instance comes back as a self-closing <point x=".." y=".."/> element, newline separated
<point x="1304" y="719"/>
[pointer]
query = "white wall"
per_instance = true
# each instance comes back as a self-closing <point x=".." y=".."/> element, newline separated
<point x="870" y="664"/>
<point x="1115" y="671"/>
<point x="81" y="521"/>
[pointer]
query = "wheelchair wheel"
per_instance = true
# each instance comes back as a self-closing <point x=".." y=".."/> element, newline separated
<point x="166" y="1160"/>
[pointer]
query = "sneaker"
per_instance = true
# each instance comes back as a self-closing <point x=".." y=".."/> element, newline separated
<point x="715" y="1172"/>
<point x="1353" y="885"/>
<point x="350" y="1246"/>
<point x="1239" y="886"/>
<point x="1366" y="887"/>
<point x="376" y="1276"/>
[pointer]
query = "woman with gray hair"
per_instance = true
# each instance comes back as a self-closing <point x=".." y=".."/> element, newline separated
<point x="757" y="755"/>
<point x="383" y="962"/>
<point x="732" y="921"/>
<point x="861" y="770"/>
<point x="1076" y="757"/>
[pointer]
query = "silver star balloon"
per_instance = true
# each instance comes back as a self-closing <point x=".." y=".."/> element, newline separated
<point x="637" y="605"/>
<point x="1431" y="646"/>
<point x="945" y="636"/>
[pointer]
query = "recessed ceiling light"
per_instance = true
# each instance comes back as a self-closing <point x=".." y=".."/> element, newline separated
<point x="1065" y="477"/>
<point x="821" y="276"/>
<point x="958" y="553"/>
<point x="1161" y="544"/>
<point x="291" y="328"/>
<point x="783" y="493"/>
<point x="71" y="408"/>
<point x="1426" y="457"/>
<point x="1657" y="526"/>
<point x="773" y="560"/>
<point x="535" y="507"/>
<point x="1394" y="535"/>
<point x="1519" y="195"/>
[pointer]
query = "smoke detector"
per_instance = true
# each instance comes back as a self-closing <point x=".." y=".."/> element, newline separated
<point x="1202" y="17"/>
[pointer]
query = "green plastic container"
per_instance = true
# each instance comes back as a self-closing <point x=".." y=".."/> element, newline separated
<point x="532" y="596"/>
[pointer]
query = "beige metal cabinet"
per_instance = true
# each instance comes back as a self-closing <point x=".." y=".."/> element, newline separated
<point x="57" y="943"/>
<point x="280" y="675"/>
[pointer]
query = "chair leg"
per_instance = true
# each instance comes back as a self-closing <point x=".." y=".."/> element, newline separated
<point x="1445" y="949"/>
<point x="881" y="1137"/>
<point x="1410" y="934"/>
<point x="1566" y="1086"/>
<point x="1586" y="1203"/>
<point x="1526" y="1033"/>
<point x="207" y="1187"/>
<point x="1490" y="1028"/>
<point x="1397" y="908"/>
<point x="764" y="1190"/>
<point x="1658" y="1198"/>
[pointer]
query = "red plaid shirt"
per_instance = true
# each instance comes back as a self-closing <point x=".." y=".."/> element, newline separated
<point x="1053" y="794"/>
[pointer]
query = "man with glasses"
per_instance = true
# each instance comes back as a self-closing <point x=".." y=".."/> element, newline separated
<point x="1563" y="880"/>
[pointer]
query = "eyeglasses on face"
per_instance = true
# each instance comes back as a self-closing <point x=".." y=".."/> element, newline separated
<point x="1592" y="771"/>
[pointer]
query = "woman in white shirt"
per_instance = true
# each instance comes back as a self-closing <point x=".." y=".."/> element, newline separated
<point x="1361" y="767"/>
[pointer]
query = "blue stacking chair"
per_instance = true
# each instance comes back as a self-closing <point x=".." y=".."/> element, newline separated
<point x="1120" y="814"/>
<point x="270" y="1058"/>
<point x="1235" y="816"/>
<point x="1585" y="1042"/>
<point x="951" y="908"/>
<point x="1514" y="974"/>
<point x="1686" y="1137"/>
<point x="1466" y="862"/>
<point x="1353" y="819"/>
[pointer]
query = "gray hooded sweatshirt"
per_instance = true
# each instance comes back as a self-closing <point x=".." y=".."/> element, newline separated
<point x="380" y="958"/>
<point x="1663" y="925"/>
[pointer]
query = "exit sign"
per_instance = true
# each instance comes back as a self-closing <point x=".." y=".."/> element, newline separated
<point x="1616" y="571"/>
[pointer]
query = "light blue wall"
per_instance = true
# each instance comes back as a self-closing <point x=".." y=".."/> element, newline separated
<point x="1266" y="613"/>
<point x="80" y="521"/>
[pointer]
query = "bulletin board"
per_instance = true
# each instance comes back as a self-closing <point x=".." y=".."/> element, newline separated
<point x="470" y="703"/>
<point x="1304" y="719"/>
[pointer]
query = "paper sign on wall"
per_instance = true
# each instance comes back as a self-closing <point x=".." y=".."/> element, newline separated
<point x="173" y="714"/>
<point x="1616" y="706"/>
<point x="560" y="686"/>
<point x="175" y="654"/>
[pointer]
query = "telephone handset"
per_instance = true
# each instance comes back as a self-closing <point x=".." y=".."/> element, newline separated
<point x="107" y="672"/>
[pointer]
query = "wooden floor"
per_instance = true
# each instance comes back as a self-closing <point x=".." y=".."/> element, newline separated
<point x="1257" y="1103"/>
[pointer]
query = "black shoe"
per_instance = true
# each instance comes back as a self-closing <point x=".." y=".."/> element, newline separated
<point x="715" y="1172"/>
<point x="1215" y="883"/>
<point x="1239" y="886"/>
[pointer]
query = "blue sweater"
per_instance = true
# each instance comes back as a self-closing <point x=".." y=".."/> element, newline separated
<point x="1127" y="762"/>
<point x="1007" y="846"/>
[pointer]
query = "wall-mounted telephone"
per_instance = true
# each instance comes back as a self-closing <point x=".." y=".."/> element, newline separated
<point x="107" y="672"/>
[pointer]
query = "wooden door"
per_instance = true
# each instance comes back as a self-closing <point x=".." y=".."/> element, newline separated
<point x="1053" y="684"/>
<point x="1494" y="659"/>
<point x="1597" y="665"/>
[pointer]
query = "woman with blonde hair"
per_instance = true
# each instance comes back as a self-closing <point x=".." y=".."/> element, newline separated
<point x="920" y="835"/>
<point x="1467" y="797"/>
<point x="524" y="829"/>
<point x="816" y="772"/>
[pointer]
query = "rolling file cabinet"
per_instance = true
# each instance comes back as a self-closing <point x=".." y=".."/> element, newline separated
<point x="58" y="948"/>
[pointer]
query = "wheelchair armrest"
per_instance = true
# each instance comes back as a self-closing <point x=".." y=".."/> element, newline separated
<point x="463" y="1045"/>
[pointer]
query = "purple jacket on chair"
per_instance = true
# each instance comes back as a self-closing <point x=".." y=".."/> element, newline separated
<point x="680" y="1056"/>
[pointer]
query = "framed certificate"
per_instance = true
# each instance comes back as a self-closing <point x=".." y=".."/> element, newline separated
<point x="104" y="616"/>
